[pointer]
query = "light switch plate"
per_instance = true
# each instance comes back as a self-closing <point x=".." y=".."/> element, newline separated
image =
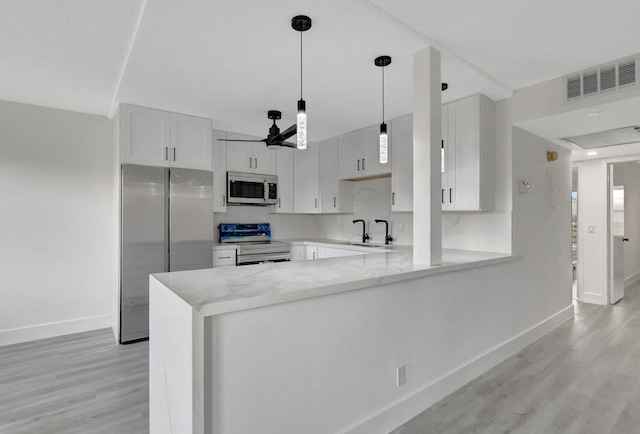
<point x="591" y="229"/>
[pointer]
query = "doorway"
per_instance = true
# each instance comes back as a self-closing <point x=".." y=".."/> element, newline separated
<point x="574" y="232"/>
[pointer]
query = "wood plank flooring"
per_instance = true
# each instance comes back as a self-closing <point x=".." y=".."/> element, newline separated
<point x="583" y="377"/>
<point x="82" y="383"/>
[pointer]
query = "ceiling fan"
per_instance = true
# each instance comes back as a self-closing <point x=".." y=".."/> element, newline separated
<point x="275" y="139"/>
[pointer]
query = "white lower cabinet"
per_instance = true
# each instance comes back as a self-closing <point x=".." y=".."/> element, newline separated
<point x="311" y="252"/>
<point x="224" y="257"/>
<point x="298" y="253"/>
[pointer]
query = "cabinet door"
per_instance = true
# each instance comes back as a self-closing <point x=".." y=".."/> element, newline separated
<point x="145" y="136"/>
<point x="224" y="257"/>
<point x="190" y="142"/>
<point x="448" y="156"/>
<point x="298" y="253"/>
<point x="402" y="164"/>
<point x="239" y="154"/>
<point x="371" y="165"/>
<point x="464" y="125"/>
<point x="328" y="176"/>
<point x="311" y="253"/>
<point x="305" y="175"/>
<point x="219" y="164"/>
<point x="264" y="159"/>
<point x="284" y="170"/>
<point x="350" y="155"/>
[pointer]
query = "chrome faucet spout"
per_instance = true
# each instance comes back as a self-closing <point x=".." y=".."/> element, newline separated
<point x="387" y="237"/>
<point x="365" y="236"/>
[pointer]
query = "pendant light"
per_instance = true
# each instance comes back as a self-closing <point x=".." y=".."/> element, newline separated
<point x="383" y="61"/>
<point x="301" y="23"/>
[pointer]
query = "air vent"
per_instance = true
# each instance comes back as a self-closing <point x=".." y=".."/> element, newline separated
<point x="627" y="72"/>
<point x="602" y="79"/>
<point x="602" y="139"/>
<point x="608" y="77"/>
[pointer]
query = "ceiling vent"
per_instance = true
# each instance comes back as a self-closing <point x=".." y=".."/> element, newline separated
<point x="600" y="80"/>
<point x="618" y="136"/>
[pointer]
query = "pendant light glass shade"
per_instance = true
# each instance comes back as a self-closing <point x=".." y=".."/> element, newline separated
<point x="384" y="144"/>
<point x="301" y="125"/>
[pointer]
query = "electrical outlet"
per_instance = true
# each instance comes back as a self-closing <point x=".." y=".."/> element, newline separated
<point x="402" y="227"/>
<point x="401" y="375"/>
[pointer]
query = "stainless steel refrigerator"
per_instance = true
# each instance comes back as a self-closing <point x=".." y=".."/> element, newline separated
<point x="166" y="225"/>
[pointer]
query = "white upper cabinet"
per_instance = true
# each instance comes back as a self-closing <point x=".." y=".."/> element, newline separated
<point x="284" y="170"/>
<point x="335" y="196"/>
<point x="250" y="157"/>
<point x="158" y="138"/>
<point x="402" y="164"/>
<point x="305" y="177"/>
<point x="190" y="142"/>
<point x="145" y="136"/>
<point x="219" y="164"/>
<point x="469" y="155"/>
<point x="359" y="155"/>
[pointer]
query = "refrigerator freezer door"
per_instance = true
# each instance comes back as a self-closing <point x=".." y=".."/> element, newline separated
<point x="190" y="219"/>
<point x="144" y="245"/>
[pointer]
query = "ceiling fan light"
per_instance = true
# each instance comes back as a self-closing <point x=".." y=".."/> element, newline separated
<point x="384" y="144"/>
<point x="301" y="125"/>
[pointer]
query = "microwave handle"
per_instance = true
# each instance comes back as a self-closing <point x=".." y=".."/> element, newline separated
<point x="266" y="189"/>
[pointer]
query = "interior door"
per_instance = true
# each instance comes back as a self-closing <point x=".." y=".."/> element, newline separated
<point x="616" y="266"/>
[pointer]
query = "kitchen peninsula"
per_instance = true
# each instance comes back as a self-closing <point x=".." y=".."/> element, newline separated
<point x="315" y="346"/>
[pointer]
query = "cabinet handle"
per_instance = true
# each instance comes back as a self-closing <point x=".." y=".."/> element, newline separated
<point x="224" y="257"/>
<point x="314" y="255"/>
<point x="316" y="204"/>
<point x="174" y="154"/>
<point x="250" y="163"/>
<point x="442" y="196"/>
<point x="363" y="164"/>
<point x="255" y="165"/>
<point x="393" y="198"/>
<point x="358" y="165"/>
<point x="450" y="194"/>
<point x="166" y="153"/>
<point x="279" y="204"/>
<point x="224" y="200"/>
<point x="334" y="201"/>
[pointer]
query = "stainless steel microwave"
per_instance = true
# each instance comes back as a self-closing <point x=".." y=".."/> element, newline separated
<point x="251" y="189"/>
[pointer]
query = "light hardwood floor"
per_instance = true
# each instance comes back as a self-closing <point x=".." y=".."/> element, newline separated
<point x="583" y="377"/>
<point x="82" y="383"/>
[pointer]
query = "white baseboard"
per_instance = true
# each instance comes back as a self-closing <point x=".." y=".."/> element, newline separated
<point x="632" y="279"/>
<point x="42" y="331"/>
<point x="401" y="411"/>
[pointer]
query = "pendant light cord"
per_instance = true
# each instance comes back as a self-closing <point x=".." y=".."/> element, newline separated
<point x="300" y="65"/>
<point x="383" y="94"/>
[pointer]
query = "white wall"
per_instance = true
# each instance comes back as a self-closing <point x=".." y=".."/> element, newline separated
<point x="56" y="208"/>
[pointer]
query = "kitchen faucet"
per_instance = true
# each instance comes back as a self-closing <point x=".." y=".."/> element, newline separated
<point x="387" y="237"/>
<point x="365" y="236"/>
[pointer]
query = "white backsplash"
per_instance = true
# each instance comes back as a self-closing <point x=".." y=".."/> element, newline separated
<point x="372" y="201"/>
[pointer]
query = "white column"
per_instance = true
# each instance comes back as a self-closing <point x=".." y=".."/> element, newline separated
<point x="427" y="136"/>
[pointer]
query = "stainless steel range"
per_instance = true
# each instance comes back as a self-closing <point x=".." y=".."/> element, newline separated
<point x="254" y="243"/>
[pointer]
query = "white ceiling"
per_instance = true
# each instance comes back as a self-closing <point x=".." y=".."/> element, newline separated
<point x="232" y="60"/>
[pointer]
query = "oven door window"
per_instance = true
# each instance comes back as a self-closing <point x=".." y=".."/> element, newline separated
<point x="251" y="190"/>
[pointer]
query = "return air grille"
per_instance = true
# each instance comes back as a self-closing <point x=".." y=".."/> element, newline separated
<point x="597" y="81"/>
<point x="618" y="136"/>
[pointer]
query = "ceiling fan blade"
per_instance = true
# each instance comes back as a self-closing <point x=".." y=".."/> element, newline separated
<point x="240" y="140"/>
<point x="284" y="135"/>
<point x="289" y="144"/>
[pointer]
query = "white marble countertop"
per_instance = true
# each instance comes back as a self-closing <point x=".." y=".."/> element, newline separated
<point x="220" y="290"/>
